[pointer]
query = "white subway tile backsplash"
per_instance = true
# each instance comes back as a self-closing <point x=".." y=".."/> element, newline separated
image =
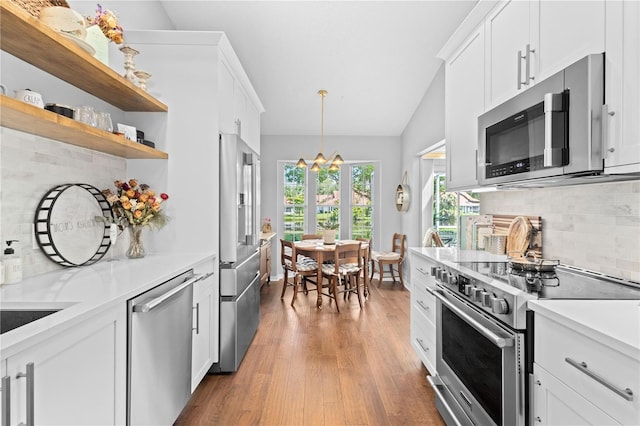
<point x="595" y="226"/>
<point x="29" y="167"/>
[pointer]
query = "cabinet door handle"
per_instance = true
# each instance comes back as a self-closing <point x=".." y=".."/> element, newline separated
<point x="6" y="401"/>
<point x="30" y="376"/>
<point x="527" y="59"/>
<point x="582" y="366"/>
<point x="520" y="58"/>
<point x="197" y="327"/>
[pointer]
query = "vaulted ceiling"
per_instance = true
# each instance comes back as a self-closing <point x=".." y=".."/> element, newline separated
<point x="375" y="58"/>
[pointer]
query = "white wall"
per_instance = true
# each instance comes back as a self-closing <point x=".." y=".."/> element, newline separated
<point x="425" y="128"/>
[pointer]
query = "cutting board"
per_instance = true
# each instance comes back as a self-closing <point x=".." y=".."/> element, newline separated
<point x="519" y="235"/>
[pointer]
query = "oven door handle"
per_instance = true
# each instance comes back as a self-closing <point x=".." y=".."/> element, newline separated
<point x="498" y="341"/>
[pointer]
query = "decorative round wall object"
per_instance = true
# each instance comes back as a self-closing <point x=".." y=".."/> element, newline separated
<point x="403" y="195"/>
<point x="66" y="228"/>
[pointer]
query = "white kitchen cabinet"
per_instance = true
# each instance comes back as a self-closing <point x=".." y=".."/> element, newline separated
<point x="580" y="380"/>
<point x="423" y="311"/>
<point x="622" y="87"/>
<point x="79" y="374"/>
<point x="507" y="33"/>
<point x="554" y="403"/>
<point x="238" y="112"/>
<point x="527" y="41"/>
<point x="464" y="102"/>
<point x="205" y="327"/>
<point x="227" y="111"/>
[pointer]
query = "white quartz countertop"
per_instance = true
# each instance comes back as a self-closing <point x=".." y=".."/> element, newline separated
<point x="615" y="323"/>
<point x="85" y="290"/>
<point x="452" y="254"/>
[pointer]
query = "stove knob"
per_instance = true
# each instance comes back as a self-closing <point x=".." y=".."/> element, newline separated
<point x="499" y="306"/>
<point x="434" y="270"/>
<point x="475" y="294"/>
<point x="453" y="280"/>
<point x="485" y="298"/>
<point x="467" y="289"/>
<point x="439" y="272"/>
<point x="445" y="277"/>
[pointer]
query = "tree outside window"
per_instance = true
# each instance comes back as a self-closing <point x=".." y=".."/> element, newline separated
<point x="449" y="208"/>
<point x="294" y="202"/>
<point x="361" y="201"/>
<point x="328" y="200"/>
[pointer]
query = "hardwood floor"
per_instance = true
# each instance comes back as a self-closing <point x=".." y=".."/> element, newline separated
<point x="319" y="367"/>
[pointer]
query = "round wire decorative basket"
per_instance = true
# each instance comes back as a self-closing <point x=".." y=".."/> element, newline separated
<point x="33" y="6"/>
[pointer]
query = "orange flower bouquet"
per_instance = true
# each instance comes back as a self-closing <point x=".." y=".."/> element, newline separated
<point x="134" y="207"/>
<point x="134" y="204"/>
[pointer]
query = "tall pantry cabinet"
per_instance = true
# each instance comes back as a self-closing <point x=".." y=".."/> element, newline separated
<point x="199" y="74"/>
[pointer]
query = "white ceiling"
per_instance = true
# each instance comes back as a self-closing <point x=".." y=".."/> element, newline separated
<point x="375" y="58"/>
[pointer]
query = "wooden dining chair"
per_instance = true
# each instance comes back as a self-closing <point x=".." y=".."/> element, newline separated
<point x="432" y="239"/>
<point x="298" y="267"/>
<point x="346" y="268"/>
<point x="366" y="261"/>
<point x="311" y="236"/>
<point x="393" y="258"/>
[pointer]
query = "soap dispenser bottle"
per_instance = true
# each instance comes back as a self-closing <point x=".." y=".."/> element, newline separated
<point x="12" y="264"/>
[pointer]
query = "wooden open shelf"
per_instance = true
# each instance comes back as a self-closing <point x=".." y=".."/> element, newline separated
<point x="25" y="37"/>
<point x="18" y="115"/>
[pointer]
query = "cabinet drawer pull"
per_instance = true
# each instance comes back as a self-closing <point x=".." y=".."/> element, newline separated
<point x="421" y="343"/>
<point x="421" y="303"/>
<point x="582" y="366"/>
<point x="423" y="271"/>
<point x="6" y="401"/>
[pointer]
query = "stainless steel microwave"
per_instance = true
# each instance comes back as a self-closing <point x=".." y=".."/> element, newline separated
<point x="548" y="133"/>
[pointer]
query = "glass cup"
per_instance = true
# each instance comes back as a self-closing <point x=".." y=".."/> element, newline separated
<point x="86" y="114"/>
<point x="103" y="121"/>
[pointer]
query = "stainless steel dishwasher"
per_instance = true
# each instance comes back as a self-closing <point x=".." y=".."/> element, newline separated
<point x="159" y="351"/>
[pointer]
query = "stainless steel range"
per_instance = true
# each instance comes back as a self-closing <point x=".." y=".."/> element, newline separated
<point x="485" y="332"/>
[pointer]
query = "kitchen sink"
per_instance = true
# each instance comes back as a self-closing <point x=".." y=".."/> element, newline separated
<point x="17" y="314"/>
<point x="14" y="318"/>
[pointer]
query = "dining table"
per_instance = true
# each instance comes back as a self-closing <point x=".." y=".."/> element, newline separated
<point x="321" y="252"/>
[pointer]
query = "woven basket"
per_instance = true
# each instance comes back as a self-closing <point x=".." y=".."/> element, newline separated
<point x="33" y="6"/>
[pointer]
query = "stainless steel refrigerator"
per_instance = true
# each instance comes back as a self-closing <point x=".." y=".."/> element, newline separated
<point x="239" y="251"/>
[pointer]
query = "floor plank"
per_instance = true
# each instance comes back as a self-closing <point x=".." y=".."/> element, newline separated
<point x="319" y="367"/>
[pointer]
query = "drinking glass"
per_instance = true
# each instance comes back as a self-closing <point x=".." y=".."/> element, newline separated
<point x="103" y="121"/>
<point x="86" y="115"/>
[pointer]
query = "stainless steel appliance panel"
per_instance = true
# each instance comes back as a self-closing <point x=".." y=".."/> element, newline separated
<point x="480" y="364"/>
<point x="234" y="280"/>
<point x="159" y="352"/>
<point x="584" y="83"/>
<point x="239" y="200"/>
<point x="241" y="317"/>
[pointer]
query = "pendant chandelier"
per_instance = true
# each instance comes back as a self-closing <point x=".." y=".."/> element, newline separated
<point x="335" y="160"/>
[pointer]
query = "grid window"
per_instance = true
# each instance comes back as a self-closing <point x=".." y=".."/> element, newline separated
<point x="361" y="200"/>
<point x="295" y="203"/>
